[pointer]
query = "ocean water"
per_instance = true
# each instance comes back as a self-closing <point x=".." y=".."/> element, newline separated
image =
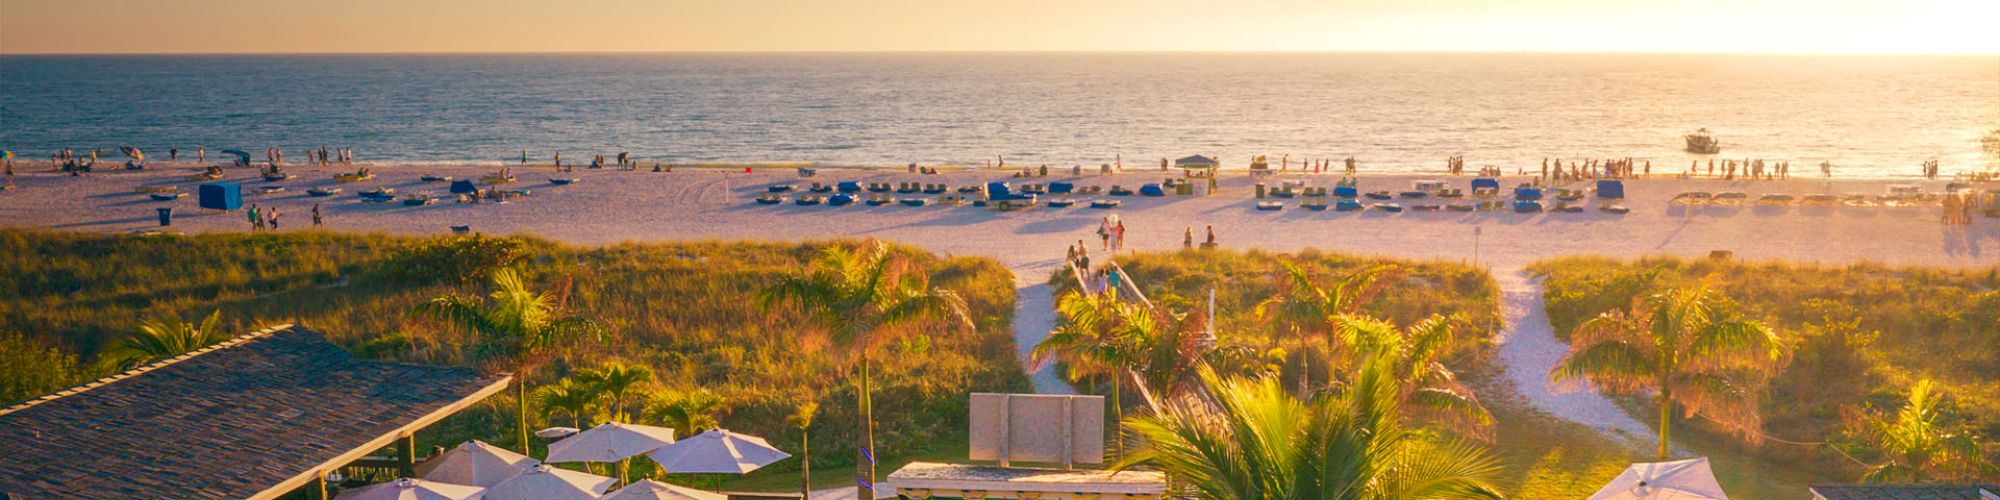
<point x="1869" y="115"/>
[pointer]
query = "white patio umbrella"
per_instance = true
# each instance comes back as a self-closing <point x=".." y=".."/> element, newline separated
<point x="412" y="489"/>
<point x="655" y="490"/>
<point x="475" y="463"/>
<point x="609" y="442"/>
<point x="717" y="452"/>
<point x="543" y="482"/>
<point x="1689" y="479"/>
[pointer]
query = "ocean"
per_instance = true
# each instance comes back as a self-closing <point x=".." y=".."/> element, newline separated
<point x="1872" y="116"/>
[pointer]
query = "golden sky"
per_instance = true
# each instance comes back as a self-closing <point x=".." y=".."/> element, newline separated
<point x="1751" y="26"/>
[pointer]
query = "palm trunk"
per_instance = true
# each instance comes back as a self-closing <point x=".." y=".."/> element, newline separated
<point x="805" y="464"/>
<point x="864" y="465"/>
<point x="1666" y="420"/>
<point x="1117" y="418"/>
<point x="521" y="386"/>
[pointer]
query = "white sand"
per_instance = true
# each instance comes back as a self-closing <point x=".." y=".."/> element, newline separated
<point x="611" y="206"/>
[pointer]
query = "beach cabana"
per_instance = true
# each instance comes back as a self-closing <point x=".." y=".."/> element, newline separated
<point x="1527" y="193"/>
<point x="1197" y="162"/>
<point x="1610" y="189"/>
<point x="849" y="187"/>
<point x="1349" y="192"/>
<point x="221" y="196"/>
<point x="463" y="187"/>
<point x="1061" y="187"/>
<point x="1485" y="183"/>
<point x="1151" y="189"/>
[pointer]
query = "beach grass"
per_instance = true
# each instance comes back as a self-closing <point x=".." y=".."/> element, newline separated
<point x="1861" y="335"/>
<point x="683" y="309"/>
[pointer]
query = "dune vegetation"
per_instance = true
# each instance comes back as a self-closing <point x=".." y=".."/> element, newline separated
<point x="687" y="313"/>
<point x="1863" y="343"/>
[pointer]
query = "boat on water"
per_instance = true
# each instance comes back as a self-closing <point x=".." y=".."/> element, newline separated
<point x="1702" y="142"/>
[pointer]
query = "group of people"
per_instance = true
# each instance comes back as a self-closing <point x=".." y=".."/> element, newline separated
<point x="200" y="154"/>
<point x="1613" y="168"/>
<point x="322" y="156"/>
<point x="262" y="218"/>
<point x="1187" y="238"/>
<point x="1755" y="169"/>
<point x="1112" y="231"/>
<point x="1931" y="169"/>
<point x="1958" y="208"/>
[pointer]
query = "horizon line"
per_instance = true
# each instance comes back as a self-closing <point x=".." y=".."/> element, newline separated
<point x="1005" y="51"/>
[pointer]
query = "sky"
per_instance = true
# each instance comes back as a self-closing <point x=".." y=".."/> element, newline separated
<point x="348" y="26"/>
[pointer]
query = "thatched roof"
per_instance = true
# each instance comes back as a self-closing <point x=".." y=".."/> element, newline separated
<point x="254" y="417"/>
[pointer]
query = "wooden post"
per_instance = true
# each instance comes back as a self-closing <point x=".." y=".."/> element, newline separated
<point x="406" y="455"/>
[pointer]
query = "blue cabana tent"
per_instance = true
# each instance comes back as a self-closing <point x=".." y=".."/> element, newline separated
<point x="1061" y="188"/>
<point x="462" y="187"/>
<point x="1611" y="189"/>
<point x="1346" y="191"/>
<point x="1485" y="183"/>
<point x="1000" y="191"/>
<point x="849" y="187"/>
<point x="1152" y="190"/>
<point x="1527" y="193"/>
<point x="221" y="195"/>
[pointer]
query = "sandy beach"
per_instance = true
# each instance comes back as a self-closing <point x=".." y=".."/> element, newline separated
<point x="610" y="206"/>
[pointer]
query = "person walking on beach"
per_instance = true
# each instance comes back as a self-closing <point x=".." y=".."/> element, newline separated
<point x="1187" y="239"/>
<point x="1104" y="233"/>
<point x="1118" y="237"/>
<point x="559" y="161"/>
<point x="273" y="216"/>
<point x="1082" y="256"/>
<point x="256" y="221"/>
<point x="524" y="157"/>
<point x="316" y="217"/>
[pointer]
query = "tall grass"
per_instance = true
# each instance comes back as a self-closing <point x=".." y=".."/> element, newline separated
<point x="685" y="310"/>
<point x="1862" y="334"/>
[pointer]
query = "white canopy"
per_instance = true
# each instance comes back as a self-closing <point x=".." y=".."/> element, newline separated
<point x="412" y="489"/>
<point x="609" y="442"/>
<point x="475" y="463"/>
<point x="717" y="452"/>
<point x="1689" y="479"/>
<point x="655" y="490"/>
<point x="543" y="482"/>
<point x="1196" y="161"/>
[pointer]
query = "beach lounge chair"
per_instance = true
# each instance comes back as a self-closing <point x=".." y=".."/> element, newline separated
<point x="876" y="201"/>
<point x="166" y="196"/>
<point x="435" y="178"/>
<point x="771" y="199"/>
<point x="1314" y="192"/>
<point x="494" y="179"/>
<point x="1388" y="207"/>
<point x="1490" y="206"/>
<point x="1565" y="207"/>
<point x="1528" y="193"/>
<point x="1348" y="192"/>
<point x="1569" y="195"/>
<point x="1693" y="197"/>
<point x="1032" y="188"/>
<point x="1614" y="209"/>
<point x="1458" y="207"/>
<point x="820" y="188"/>
<point x="1485" y="186"/>
<point x="1117" y="190"/>
<point x="1414" y="195"/>
<point x="158" y="189"/>
<point x="1270" y="206"/>
<point x="878" y="187"/>
<point x="1314" y="205"/>
<point x="1089" y="189"/>
<point x="782" y="188"/>
<point x="461" y="229"/>
<point x="562" y="181"/>
<point x="1105" y="203"/>
<point x="277" y="176"/>
<point x="1001" y="196"/>
<point x="1061" y="187"/>
<point x="840" y="200"/>
<point x="269" y="190"/>
<point x="1346" y="206"/>
<point x="914" y="202"/>
<point x="1451" y="194"/>
<point x="807" y="200"/>
<point x="1858" y="200"/>
<point x="1527" y="206"/>
<point x="1821" y="200"/>
<point x="1775" y="200"/>
<point x="377" y="199"/>
<point x="1380" y="195"/>
<point x="1283" y="192"/>
<point x="323" y="191"/>
<point x="1610" y="189"/>
<point x="968" y="189"/>
<point x="380" y="191"/>
<point x="1425" y="207"/>
<point x="418" y="200"/>
<point x="935" y="189"/>
<point x="1730" y="198"/>
<point x="848" y="187"/>
<point x="808" y="172"/>
<point x="908" y="188"/>
<point x="1063" y="203"/>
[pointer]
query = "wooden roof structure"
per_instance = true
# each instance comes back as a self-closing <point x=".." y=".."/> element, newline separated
<point x="256" y="416"/>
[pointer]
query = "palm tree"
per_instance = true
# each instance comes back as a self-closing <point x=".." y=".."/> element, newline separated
<point x="570" y="396"/>
<point x="1094" y="340"/>
<point x="1304" y="308"/>
<point x="1689" y="347"/>
<point x="688" y="413"/>
<point x="861" y="296"/>
<point x="516" y="324"/>
<point x="802" y="419"/>
<point x="159" y="338"/>
<point x="1253" y="440"/>
<point x="1415" y="357"/>
<point x="1917" y="446"/>
<point x="616" y="382"/>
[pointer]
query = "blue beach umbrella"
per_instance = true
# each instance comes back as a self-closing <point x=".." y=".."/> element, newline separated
<point x="241" y="156"/>
<point x="133" y="152"/>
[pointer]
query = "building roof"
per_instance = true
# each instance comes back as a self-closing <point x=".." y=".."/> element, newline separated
<point x="253" y="417"/>
<point x="1905" y="492"/>
<point x="1196" y="160"/>
<point x="960" y="477"/>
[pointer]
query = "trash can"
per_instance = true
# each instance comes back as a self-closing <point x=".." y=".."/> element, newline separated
<point x="1260" y="190"/>
<point x="166" y="216"/>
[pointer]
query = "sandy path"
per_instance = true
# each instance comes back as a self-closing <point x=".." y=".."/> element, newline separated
<point x="1529" y="349"/>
